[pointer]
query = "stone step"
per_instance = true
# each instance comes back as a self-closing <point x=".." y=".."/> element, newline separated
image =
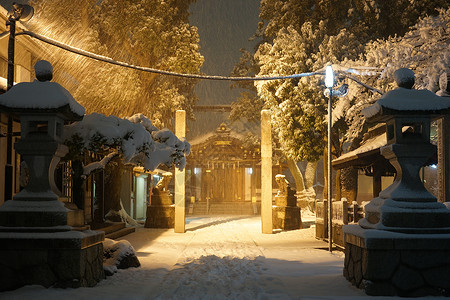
<point x="120" y="233"/>
<point x="81" y="228"/>
<point x="113" y="230"/>
<point x="110" y="227"/>
<point x="224" y="208"/>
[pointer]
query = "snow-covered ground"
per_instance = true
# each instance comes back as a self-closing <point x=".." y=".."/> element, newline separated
<point x="220" y="258"/>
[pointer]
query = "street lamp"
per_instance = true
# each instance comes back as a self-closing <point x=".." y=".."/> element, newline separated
<point x="21" y="12"/>
<point x="329" y="83"/>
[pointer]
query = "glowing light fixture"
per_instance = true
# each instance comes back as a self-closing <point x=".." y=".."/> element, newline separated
<point x="22" y="12"/>
<point x="329" y="77"/>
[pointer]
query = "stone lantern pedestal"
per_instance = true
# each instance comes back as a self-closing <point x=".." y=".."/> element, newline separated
<point x="285" y="213"/>
<point x="36" y="244"/>
<point x="402" y="246"/>
<point x="161" y="211"/>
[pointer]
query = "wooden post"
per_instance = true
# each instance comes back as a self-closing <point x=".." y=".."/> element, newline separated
<point x="180" y="185"/>
<point x="376" y="182"/>
<point x="443" y="159"/>
<point x="266" y="172"/>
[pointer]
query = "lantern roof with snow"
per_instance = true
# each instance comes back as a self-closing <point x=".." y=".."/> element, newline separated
<point x="406" y="101"/>
<point x="41" y="96"/>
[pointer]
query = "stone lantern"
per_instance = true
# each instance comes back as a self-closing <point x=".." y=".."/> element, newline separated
<point x="401" y="246"/>
<point x="43" y="108"/>
<point x="34" y="221"/>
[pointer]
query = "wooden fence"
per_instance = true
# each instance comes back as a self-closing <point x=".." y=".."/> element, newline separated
<point x="343" y="214"/>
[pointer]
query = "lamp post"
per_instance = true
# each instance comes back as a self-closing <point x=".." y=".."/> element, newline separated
<point x="20" y="12"/>
<point x="329" y="83"/>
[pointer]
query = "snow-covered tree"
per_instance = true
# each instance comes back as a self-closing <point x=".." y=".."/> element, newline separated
<point x="365" y="18"/>
<point x="299" y="106"/>
<point x="303" y="36"/>
<point x="149" y="33"/>
<point x="115" y="141"/>
<point x="424" y="49"/>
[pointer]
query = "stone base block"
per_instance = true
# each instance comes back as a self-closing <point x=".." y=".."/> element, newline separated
<point x="286" y="218"/>
<point x="338" y="234"/>
<point x="62" y="259"/>
<point x="289" y="200"/>
<point x="161" y="198"/>
<point x="321" y="228"/>
<point x="160" y="216"/>
<point x="281" y="201"/>
<point x="394" y="264"/>
<point x="15" y="213"/>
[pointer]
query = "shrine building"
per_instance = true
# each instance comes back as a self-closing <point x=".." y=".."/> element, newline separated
<point x="223" y="173"/>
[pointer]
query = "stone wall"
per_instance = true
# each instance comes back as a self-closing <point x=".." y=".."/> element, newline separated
<point x="402" y="268"/>
<point x="65" y="262"/>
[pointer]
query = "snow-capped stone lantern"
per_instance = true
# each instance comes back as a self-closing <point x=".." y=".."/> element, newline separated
<point x="406" y="205"/>
<point x="43" y="108"/>
<point x="36" y="244"/>
<point x="405" y="235"/>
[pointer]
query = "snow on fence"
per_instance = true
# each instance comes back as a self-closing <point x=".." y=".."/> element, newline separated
<point x="343" y="214"/>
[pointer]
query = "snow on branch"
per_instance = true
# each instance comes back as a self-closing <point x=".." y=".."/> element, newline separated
<point x="98" y="165"/>
<point x="134" y="138"/>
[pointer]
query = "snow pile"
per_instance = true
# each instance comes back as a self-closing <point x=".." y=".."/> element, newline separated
<point x="118" y="255"/>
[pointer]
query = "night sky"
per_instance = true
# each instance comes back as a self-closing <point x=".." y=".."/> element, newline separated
<point x="225" y="27"/>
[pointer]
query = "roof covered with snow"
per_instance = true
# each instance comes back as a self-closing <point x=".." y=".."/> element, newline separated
<point x="369" y="152"/>
<point x="368" y="149"/>
<point x="39" y="95"/>
<point x="221" y="132"/>
<point x="408" y="101"/>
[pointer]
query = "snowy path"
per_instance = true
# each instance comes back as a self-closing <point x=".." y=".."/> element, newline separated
<point x="220" y="258"/>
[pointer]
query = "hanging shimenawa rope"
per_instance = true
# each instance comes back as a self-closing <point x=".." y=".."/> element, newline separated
<point x="156" y="71"/>
<point x="193" y="76"/>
